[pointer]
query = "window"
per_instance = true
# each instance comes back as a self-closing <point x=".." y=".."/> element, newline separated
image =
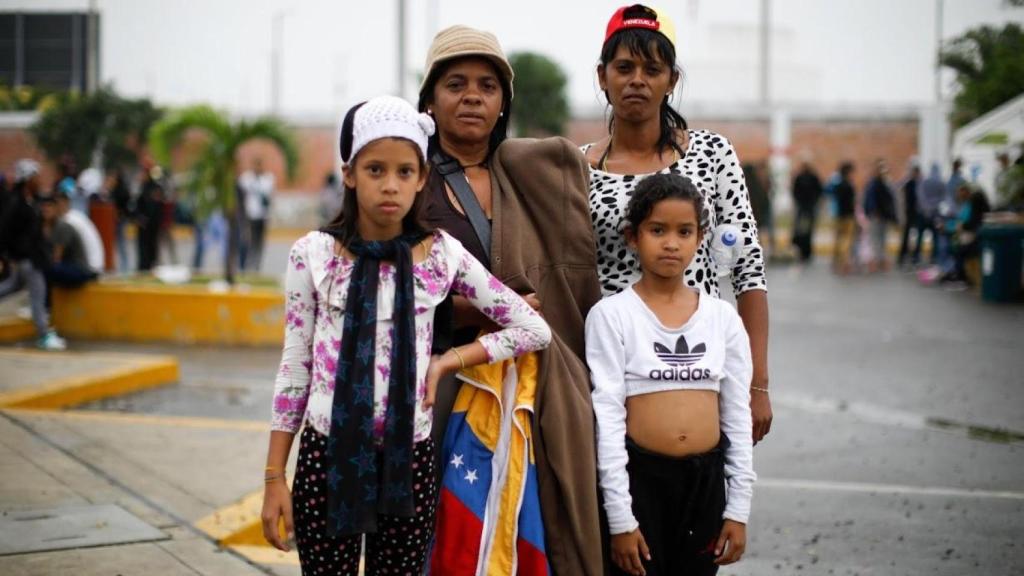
<point x="46" y="50"/>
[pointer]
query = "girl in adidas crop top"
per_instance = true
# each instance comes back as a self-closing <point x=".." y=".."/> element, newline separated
<point x="670" y="369"/>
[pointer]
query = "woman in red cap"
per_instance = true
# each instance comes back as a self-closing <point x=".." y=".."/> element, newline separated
<point x="638" y="74"/>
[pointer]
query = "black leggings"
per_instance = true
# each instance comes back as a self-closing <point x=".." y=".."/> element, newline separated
<point x="678" y="503"/>
<point x="400" y="544"/>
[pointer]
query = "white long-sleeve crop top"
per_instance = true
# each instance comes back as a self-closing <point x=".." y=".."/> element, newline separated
<point x="630" y="352"/>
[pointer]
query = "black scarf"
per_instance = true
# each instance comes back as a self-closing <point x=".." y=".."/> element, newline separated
<point x="363" y="482"/>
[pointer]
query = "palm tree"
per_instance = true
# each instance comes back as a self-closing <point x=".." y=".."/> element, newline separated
<point x="213" y="171"/>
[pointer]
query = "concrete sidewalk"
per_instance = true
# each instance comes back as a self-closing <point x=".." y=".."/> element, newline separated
<point x="54" y="461"/>
<point x="84" y="492"/>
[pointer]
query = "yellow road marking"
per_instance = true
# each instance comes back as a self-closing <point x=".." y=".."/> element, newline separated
<point x="159" y="420"/>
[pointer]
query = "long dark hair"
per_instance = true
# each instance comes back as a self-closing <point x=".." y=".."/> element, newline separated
<point x="651" y="46"/>
<point x="343" y="226"/>
<point x="500" y="132"/>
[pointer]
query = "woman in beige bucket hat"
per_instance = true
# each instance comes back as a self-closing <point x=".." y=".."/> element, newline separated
<point x="520" y="207"/>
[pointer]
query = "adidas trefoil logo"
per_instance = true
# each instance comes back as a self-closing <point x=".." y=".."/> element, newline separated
<point x="680" y="360"/>
<point x="682" y="356"/>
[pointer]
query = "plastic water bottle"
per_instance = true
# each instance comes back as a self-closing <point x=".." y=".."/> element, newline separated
<point x="726" y="246"/>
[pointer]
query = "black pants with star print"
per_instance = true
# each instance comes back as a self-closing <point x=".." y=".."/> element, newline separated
<point x="400" y="544"/>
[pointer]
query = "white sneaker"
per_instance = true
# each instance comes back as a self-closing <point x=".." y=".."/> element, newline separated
<point x="52" y="342"/>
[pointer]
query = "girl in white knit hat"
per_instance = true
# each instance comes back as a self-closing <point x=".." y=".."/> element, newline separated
<point x="356" y="366"/>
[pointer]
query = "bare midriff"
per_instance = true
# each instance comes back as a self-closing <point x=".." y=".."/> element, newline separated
<point x="674" y="423"/>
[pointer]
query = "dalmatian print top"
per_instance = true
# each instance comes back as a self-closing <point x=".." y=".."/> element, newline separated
<point x="711" y="163"/>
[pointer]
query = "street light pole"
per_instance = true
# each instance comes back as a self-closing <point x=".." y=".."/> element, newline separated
<point x="431" y="19"/>
<point x="938" y="50"/>
<point x="92" y="49"/>
<point x="276" y="47"/>
<point x="400" y="87"/>
<point x="934" y="130"/>
<point x="766" y="43"/>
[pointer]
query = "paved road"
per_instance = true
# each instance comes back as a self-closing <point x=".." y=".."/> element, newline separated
<point x="897" y="446"/>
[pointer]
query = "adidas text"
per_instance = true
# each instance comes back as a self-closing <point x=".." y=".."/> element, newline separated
<point x="686" y="373"/>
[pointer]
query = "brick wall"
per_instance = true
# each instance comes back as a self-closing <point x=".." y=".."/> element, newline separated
<point x="824" y="142"/>
<point x="829" y="143"/>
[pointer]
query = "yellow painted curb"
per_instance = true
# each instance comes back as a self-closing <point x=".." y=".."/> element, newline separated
<point x="249" y="534"/>
<point x="143" y="373"/>
<point x="240" y="527"/>
<point x="274" y="233"/>
<point x="238" y="524"/>
<point x="243" y="517"/>
<point x="16" y="330"/>
<point x="186" y="314"/>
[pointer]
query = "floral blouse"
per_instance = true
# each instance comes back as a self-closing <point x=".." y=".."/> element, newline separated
<point x="316" y="287"/>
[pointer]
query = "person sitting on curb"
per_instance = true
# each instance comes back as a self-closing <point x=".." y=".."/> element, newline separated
<point x="68" y="266"/>
<point x="972" y="204"/>
<point x="21" y="247"/>
<point x="82" y="224"/>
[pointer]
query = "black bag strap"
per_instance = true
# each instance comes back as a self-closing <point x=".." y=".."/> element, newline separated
<point x="456" y="179"/>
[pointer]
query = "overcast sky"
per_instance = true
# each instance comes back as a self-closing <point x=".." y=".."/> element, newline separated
<point x="337" y="52"/>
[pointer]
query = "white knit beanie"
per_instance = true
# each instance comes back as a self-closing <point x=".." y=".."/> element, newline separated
<point x="389" y="117"/>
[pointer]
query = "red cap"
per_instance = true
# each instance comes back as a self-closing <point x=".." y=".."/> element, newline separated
<point x="642" y="17"/>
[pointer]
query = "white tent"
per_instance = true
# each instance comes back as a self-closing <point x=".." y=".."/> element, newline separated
<point x="978" y="143"/>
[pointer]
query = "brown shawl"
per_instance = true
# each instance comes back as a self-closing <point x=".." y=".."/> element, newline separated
<point x="543" y="242"/>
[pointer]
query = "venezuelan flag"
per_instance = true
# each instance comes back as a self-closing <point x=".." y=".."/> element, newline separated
<point x="488" y="520"/>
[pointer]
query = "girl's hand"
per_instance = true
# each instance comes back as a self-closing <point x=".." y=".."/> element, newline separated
<point x="732" y="542"/>
<point x="532" y="300"/>
<point x="440" y="366"/>
<point x="629" y="550"/>
<point x="277" y="503"/>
